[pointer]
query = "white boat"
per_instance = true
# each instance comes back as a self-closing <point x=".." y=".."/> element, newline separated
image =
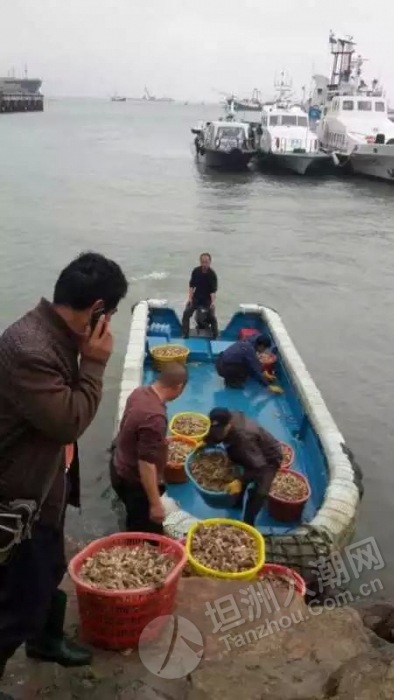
<point x="287" y="140"/>
<point x="355" y="124"/>
<point x="225" y="144"/>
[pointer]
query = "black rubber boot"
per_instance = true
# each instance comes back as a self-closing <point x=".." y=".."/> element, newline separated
<point x="53" y="645"/>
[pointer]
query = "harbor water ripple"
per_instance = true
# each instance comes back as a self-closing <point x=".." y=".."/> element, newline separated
<point x="121" y="178"/>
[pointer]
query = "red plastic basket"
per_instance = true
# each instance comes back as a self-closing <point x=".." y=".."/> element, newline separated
<point x="268" y="361"/>
<point x="245" y="333"/>
<point x="115" y="619"/>
<point x="288" y="455"/>
<point x="174" y="472"/>
<point x="288" y="511"/>
<point x="280" y="570"/>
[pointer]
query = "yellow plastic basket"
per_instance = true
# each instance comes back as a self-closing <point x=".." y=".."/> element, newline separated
<point x="198" y="437"/>
<point x="202" y="570"/>
<point x="161" y="360"/>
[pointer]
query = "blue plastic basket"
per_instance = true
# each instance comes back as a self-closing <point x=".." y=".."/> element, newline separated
<point x="215" y="499"/>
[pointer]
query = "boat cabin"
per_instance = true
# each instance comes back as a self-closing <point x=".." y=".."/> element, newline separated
<point x="286" y="130"/>
<point x="357" y="106"/>
<point x="225" y="135"/>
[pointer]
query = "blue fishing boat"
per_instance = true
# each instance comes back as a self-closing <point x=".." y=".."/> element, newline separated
<point x="298" y="417"/>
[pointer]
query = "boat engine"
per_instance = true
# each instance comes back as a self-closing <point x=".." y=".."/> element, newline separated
<point x="202" y="320"/>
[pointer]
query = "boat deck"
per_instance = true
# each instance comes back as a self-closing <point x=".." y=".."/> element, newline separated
<point x="282" y="415"/>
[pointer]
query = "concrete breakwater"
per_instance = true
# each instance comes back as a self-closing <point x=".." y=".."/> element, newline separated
<point x="21" y="103"/>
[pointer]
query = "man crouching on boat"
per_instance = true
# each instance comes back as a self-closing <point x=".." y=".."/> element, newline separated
<point x="251" y="447"/>
<point x="140" y="451"/>
<point x="241" y="360"/>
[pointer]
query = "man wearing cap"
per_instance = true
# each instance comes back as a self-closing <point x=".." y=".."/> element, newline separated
<point x="251" y="447"/>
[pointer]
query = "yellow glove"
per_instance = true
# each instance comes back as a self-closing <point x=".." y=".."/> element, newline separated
<point x="275" y="389"/>
<point x="234" y="488"/>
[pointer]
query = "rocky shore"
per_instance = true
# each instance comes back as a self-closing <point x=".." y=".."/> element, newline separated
<point x="293" y="652"/>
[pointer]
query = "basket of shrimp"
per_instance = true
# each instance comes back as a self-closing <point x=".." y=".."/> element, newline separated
<point x="288" y="455"/>
<point x="163" y="354"/>
<point x="268" y="361"/>
<point x="288" y="495"/>
<point x="211" y="472"/>
<point x="124" y="582"/>
<point x="190" y="424"/>
<point x="225" y="549"/>
<point x="179" y="448"/>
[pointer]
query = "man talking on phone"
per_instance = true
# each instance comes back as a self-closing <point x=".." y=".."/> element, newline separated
<point x="52" y="363"/>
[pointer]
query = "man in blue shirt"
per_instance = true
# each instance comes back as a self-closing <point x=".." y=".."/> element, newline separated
<point x="240" y="361"/>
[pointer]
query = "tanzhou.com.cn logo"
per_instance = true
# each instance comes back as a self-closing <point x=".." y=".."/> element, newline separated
<point x="180" y="651"/>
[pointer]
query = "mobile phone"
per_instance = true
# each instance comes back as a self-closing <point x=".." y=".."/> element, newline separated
<point x="95" y="317"/>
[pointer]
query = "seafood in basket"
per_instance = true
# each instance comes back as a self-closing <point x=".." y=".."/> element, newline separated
<point x="213" y="471"/>
<point x="169" y="352"/>
<point x="225" y="548"/>
<point x="178" y="451"/>
<point x="288" y="455"/>
<point x="126" y="568"/>
<point x="193" y="425"/>
<point x="287" y="486"/>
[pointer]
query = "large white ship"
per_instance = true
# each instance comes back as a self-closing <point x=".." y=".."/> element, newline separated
<point x="355" y="124"/>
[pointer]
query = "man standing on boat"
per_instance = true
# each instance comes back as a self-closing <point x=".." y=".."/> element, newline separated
<point x="251" y="447"/>
<point x="203" y="287"/>
<point x="52" y="363"/>
<point x="140" y="450"/>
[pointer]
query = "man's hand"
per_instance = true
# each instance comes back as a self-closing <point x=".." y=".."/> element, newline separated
<point x="99" y="345"/>
<point x="156" y="512"/>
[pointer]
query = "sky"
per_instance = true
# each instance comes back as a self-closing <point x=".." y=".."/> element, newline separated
<point x="187" y="49"/>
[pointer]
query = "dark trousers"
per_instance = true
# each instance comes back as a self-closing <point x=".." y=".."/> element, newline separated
<point x="28" y="584"/>
<point x="256" y="496"/>
<point x="190" y="309"/>
<point x="136" y="502"/>
<point x="234" y="374"/>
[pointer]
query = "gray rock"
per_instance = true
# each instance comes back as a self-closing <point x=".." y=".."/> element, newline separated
<point x="296" y="664"/>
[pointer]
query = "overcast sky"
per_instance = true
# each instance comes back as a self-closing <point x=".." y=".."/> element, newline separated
<point x="187" y="48"/>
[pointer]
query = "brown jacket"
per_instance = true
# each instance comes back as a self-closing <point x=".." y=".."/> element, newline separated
<point x="253" y="448"/>
<point x="47" y="400"/>
<point x="142" y="435"/>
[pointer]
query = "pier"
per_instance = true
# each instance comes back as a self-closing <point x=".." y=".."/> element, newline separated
<point x="22" y="102"/>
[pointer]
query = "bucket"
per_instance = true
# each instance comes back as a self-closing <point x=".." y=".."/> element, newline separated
<point x="268" y="361"/>
<point x="174" y="472"/>
<point x="286" y="511"/>
<point x="280" y="570"/>
<point x="115" y="619"/>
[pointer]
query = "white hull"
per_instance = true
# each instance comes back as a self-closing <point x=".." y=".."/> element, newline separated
<point x="378" y="165"/>
<point x="300" y="163"/>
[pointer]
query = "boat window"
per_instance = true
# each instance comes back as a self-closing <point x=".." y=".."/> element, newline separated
<point x="289" y="120"/>
<point x="230" y="132"/>
<point x="348" y="105"/>
<point x="380" y="107"/>
<point x="302" y="121"/>
<point x="274" y="120"/>
<point x="365" y="106"/>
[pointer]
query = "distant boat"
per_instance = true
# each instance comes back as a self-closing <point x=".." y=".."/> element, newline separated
<point x="151" y="98"/>
<point x="116" y="98"/>
<point x="253" y="104"/>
